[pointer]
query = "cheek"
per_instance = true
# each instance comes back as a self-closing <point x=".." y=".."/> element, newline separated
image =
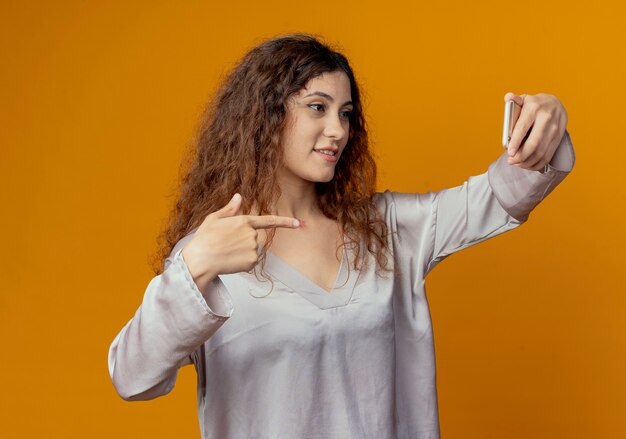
<point x="309" y="129"/>
<point x="293" y="155"/>
<point x="301" y="143"/>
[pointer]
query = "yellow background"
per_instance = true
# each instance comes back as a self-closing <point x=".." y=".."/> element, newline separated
<point x="100" y="99"/>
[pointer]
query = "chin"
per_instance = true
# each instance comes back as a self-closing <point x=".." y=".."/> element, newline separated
<point x="324" y="178"/>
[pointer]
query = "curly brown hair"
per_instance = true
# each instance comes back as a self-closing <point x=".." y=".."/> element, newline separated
<point x="237" y="149"/>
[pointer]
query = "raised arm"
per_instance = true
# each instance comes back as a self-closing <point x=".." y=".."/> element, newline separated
<point x="500" y="200"/>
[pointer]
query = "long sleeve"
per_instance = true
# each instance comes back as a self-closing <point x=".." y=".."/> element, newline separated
<point x="425" y="229"/>
<point x="173" y="320"/>
<point x="492" y="203"/>
<point x="520" y="190"/>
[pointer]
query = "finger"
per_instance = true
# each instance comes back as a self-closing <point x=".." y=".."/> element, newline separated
<point x="552" y="147"/>
<point x="544" y="152"/>
<point x="534" y="160"/>
<point x="269" y="221"/>
<point x="513" y="97"/>
<point x="537" y="162"/>
<point x="230" y="209"/>
<point x="536" y="145"/>
<point x="523" y="124"/>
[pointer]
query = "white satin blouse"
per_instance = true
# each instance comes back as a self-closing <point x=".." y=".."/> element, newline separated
<point x="357" y="362"/>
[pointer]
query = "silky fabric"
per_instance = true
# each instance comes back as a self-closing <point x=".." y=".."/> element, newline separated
<point x="285" y="359"/>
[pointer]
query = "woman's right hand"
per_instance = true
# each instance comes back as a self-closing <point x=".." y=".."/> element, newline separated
<point x="227" y="243"/>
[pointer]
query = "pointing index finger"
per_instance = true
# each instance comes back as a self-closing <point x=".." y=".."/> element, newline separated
<point x="269" y="221"/>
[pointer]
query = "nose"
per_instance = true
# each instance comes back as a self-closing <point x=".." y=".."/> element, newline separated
<point x="335" y="128"/>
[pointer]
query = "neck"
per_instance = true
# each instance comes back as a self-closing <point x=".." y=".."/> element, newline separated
<point x="298" y="199"/>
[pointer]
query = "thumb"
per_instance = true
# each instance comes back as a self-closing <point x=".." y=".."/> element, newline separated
<point x="518" y="99"/>
<point x="231" y="208"/>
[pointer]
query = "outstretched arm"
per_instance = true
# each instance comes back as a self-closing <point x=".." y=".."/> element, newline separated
<point x="500" y="200"/>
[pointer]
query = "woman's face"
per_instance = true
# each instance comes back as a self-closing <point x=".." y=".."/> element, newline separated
<point x="318" y="125"/>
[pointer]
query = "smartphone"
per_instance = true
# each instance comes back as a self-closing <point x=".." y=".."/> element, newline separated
<point x="511" y="114"/>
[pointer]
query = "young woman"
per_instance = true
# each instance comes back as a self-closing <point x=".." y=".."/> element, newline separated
<point x="294" y="288"/>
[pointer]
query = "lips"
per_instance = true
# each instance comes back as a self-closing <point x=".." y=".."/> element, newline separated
<point x="327" y="150"/>
<point x="327" y="154"/>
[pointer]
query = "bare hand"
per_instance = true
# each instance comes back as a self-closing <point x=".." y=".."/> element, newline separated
<point x="546" y="118"/>
<point x="226" y="242"/>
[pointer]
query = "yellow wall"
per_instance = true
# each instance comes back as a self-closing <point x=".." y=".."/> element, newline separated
<point x="99" y="100"/>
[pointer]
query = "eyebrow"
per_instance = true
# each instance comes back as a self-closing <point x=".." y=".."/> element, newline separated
<point x="327" y="96"/>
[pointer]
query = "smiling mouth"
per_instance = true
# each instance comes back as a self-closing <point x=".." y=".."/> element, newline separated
<point x="327" y="155"/>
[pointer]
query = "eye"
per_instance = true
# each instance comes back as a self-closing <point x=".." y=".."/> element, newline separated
<point x="317" y="107"/>
<point x="346" y="114"/>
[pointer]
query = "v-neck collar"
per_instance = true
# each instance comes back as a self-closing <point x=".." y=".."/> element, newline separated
<point x="295" y="280"/>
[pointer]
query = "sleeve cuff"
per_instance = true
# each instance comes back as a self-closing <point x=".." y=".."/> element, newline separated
<point x="520" y="190"/>
<point x="216" y="298"/>
<point x="564" y="158"/>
